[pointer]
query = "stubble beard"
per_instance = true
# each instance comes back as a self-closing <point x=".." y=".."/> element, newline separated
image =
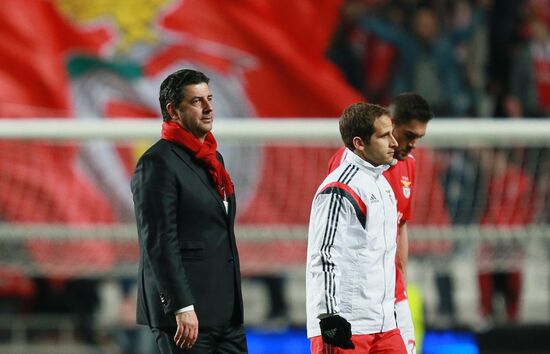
<point x="401" y="154"/>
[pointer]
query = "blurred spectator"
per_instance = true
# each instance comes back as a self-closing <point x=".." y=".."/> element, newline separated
<point x="277" y="301"/>
<point x="16" y="291"/>
<point x="343" y="50"/>
<point x="462" y="181"/>
<point x="474" y="54"/>
<point x="367" y="60"/>
<point x="529" y="94"/>
<point x="132" y="339"/>
<point x="431" y="209"/>
<point x="464" y="188"/>
<point x="510" y="203"/>
<point x="428" y="62"/>
<point x="77" y="297"/>
<point x="505" y="18"/>
<point x="277" y="313"/>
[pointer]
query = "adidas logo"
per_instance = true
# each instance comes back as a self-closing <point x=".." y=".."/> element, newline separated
<point x="373" y="199"/>
<point x="330" y="332"/>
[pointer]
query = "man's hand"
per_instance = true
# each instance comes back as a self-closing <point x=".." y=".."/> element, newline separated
<point x="188" y="329"/>
<point x="336" y="331"/>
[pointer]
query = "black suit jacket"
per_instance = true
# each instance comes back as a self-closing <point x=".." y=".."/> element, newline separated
<point x="188" y="254"/>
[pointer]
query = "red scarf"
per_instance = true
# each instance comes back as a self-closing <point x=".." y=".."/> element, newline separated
<point x="204" y="152"/>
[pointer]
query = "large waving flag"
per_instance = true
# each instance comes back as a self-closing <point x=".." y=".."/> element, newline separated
<point x="99" y="59"/>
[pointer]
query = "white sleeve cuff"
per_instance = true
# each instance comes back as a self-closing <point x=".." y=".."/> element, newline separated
<point x="185" y="309"/>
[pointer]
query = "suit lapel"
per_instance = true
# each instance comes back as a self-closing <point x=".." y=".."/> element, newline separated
<point x="231" y="210"/>
<point x="198" y="170"/>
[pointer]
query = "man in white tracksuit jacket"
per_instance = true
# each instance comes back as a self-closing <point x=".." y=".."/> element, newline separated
<point x="350" y="275"/>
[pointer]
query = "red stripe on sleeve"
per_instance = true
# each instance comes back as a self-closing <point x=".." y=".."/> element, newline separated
<point x="351" y="192"/>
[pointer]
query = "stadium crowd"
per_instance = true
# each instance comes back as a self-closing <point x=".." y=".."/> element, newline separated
<point x="477" y="58"/>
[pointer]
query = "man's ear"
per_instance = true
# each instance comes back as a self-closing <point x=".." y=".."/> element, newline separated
<point x="358" y="143"/>
<point x="171" y="109"/>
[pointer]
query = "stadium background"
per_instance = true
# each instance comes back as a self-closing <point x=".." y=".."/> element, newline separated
<point x="67" y="241"/>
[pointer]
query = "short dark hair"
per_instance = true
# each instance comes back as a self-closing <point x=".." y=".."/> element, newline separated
<point x="358" y="120"/>
<point x="171" y="89"/>
<point x="408" y="106"/>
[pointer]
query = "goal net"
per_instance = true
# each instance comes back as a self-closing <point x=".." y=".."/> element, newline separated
<point x="482" y="206"/>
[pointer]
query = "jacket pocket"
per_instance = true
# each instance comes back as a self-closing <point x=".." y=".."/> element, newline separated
<point x="192" y="250"/>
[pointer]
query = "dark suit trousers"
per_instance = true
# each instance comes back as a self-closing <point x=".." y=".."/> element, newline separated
<point x="229" y="339"/>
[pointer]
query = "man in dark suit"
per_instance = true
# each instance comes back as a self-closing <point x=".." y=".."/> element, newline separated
<point x="189" y="286"/>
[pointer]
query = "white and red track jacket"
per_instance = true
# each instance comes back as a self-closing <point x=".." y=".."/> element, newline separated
<point x="351" y="249"/>
<point x="402" y="179"/>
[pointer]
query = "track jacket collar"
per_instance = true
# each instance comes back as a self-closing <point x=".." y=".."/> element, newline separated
<point x="375" y="171"/>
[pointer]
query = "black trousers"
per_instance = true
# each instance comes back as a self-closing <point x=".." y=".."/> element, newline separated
<point x="228" y="339"/>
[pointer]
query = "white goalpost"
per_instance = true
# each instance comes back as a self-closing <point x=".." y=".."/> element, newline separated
<point x="442" y="132"/>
